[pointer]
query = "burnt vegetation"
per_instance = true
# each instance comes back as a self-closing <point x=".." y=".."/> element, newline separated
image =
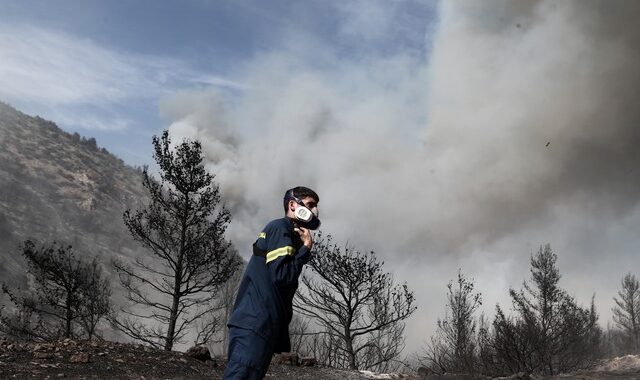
<point x="67" y="296"/>
<point x="179" y="273"/>
<point x="546" y="332"/>
<point x="182" y="227"/>
<point x="357" y="309"/>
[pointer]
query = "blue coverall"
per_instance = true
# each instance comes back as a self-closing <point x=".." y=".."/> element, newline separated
<point x="259" y="322"/>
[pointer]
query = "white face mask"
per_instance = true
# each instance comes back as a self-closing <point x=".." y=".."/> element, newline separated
<point x="308" y="218"/>
<point x="304" y="214"/>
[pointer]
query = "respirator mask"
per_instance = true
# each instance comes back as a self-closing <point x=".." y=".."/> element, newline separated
<point x="304" y="217"/>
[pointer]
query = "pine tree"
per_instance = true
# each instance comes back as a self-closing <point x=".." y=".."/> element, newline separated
<point x="182" y="228"/>
<point x="453" y="348"/>
<point x="550" y="332"/>
<point x="626" y="313"/>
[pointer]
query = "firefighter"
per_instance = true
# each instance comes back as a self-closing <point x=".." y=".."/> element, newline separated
<point x="259" y="322"/>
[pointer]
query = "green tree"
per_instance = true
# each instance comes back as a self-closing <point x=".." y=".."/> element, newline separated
<point x="182" y="227"/>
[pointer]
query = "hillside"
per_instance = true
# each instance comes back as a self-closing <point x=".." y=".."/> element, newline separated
<point x="59" y="186"/>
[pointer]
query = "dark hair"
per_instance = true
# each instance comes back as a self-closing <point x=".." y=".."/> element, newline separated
<point x="299" y="192"/>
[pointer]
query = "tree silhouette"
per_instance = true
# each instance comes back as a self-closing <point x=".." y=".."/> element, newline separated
<point x="357" y="303"/>
<point x="453" y="348"/>
<point x="550" y="332"/>
<point x="183" y="229"/>
<point x="68" y="299"/>
<point x="626" y="313"/>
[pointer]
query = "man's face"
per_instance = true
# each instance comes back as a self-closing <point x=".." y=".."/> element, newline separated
<point x="309" y="203"/>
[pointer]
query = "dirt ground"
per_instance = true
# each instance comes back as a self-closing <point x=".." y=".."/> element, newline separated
<point x="69" y="359"/>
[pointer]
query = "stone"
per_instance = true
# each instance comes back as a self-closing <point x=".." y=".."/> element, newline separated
<point x="424" y="372"/>
<point x="517" y="376"/>
<point x="199" y="352"/>
<point x="82" y="357"/>
<point x="43" y="346"/>
<point x="42" y="355"/>
<point x="289" y="358"/>
<point x="308" y="361"/>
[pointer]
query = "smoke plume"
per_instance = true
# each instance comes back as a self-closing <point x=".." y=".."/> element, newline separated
<point x="519" y="126"/>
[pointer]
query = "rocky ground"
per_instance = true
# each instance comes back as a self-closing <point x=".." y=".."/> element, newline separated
<point x="69" y="359"/>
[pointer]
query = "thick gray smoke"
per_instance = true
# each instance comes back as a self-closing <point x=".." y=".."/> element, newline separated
<point x="521" y="128"/>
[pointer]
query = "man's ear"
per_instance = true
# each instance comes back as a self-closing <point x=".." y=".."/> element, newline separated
<point x="292" y="206"/>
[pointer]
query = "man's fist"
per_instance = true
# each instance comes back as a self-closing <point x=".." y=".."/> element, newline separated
<point x="305" y="236"/>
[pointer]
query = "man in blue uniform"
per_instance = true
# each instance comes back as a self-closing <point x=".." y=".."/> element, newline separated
<point x="259" y="322"/>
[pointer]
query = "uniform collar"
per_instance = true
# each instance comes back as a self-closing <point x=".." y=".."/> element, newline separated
<point x="289" y="222"/>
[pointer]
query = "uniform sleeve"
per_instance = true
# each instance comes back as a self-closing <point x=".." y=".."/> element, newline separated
<point x="284" y="262"/>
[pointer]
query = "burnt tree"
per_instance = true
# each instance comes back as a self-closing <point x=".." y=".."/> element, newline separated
<point x="626" y="313"/>
<point x="454" y="347"/>
<point x="549" y="333"/>
<point x="182" y="227"/>
<point x="357" y="304"/>
<point x="67" y="299"/>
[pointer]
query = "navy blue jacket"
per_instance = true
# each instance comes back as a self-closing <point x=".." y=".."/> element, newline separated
<point x="265" y="295"/>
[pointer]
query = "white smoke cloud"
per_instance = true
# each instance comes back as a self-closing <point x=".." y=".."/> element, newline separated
<point x="520" y="129"/>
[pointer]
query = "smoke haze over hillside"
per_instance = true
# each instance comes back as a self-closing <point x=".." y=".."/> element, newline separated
<point x="519" y="128"/>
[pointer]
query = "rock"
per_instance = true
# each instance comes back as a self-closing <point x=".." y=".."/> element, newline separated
<point x="82" y="357"/>
<point x="517" y="376"/>
<point x="289" y="358"/>
<point x="42" y="355"/>
<point x="217" y="362"/>
<point x="424" y="372"/>
<point x="455" y="376"/>
<point x="199" y="352"/>
<point x="68" y="342"/>
<point x="308" y="361"/>
<point x="43" y="346"/>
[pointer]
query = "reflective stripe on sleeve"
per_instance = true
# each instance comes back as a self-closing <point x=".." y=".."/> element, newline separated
<point x="284" y="251"/>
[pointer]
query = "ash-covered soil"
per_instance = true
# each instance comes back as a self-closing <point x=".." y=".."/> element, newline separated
<point x="69" y="359"/>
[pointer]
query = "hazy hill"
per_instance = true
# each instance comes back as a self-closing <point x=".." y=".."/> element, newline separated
<point x="59" y="186"/>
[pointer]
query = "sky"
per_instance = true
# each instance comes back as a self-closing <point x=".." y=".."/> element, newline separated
<point x="442" y="136"/>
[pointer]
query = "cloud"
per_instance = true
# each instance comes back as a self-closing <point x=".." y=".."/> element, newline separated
<point x="80" y="83"/>
<point x="520" y="129"/>
<point x="51" y="67"/>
